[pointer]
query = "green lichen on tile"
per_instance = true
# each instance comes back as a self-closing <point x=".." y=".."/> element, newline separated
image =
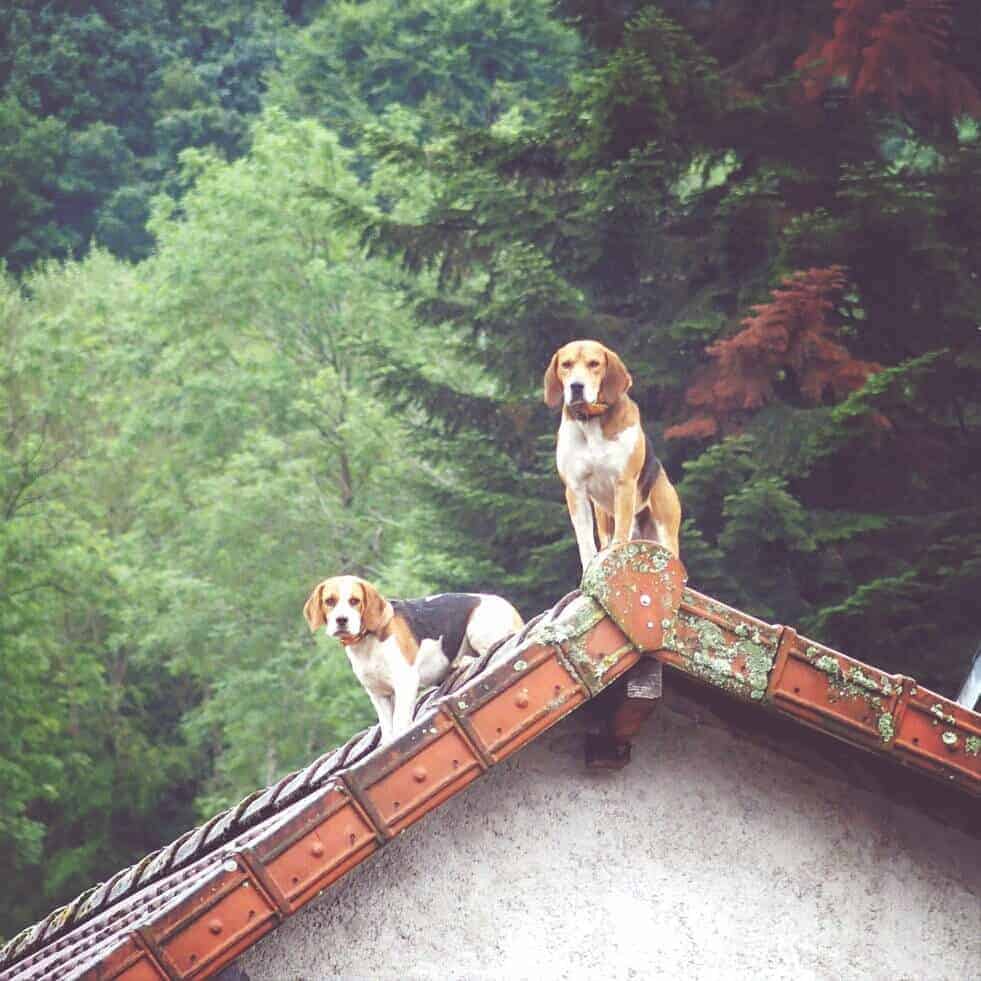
<point x="642" y="557"/>
<point x="758" y="663"/>
<point x="553" y="704"/>
<point x="972" y="745"/>
<point x="937" y="711"/>
<point x="743" y="630"/>
<point x="858" y="677"/>
<point x="569" y="631"/>
<point x="853" y="684"/>
<point x="741" y="666"/>
<point x="580" y="616"/>
<point x="59" y="917"/>
<point x="593" y="672"/>
<point x="887" y="727"/>
<point x="828" y="664"/>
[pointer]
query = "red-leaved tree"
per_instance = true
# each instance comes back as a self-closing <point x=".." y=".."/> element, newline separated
<point x="793" y="337"/>
<point x="890" y="51"/>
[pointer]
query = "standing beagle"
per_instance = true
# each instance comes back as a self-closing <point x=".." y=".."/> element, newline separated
<point x="604" y="457"/>
<point x="397" y="648"/>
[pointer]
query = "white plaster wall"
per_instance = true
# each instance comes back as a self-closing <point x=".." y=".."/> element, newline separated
<point x="707" y="857"/>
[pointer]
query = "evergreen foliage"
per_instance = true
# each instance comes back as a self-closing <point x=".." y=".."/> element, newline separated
<point x="652" y="207"/>
<point x="893" y="55"/>
<point x="789" y="342"/>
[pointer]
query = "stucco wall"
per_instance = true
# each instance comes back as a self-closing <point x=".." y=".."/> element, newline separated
<point x="707" y="857"/>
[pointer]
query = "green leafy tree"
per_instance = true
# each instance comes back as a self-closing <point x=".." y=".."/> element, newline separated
<point x="89" y="744"/>
<point x="283" y="466"/>
<point x="31" y="150"/>
<point x="220" y="442"/>
<point x="100" y="99"/>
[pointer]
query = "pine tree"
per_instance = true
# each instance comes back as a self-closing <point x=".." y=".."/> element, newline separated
<point x="653" y="206"/>
<point x="890" y="55"/>
<point x="790" y="342"/>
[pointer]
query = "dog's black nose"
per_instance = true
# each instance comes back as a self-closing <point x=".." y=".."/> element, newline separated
<point x="576" y="389"/>
<point x="341" y="621"/>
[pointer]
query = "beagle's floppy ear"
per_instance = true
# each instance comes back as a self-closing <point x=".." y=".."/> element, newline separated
<point x="553" y="387"/>
<point x="616" y="380"/>
<point x="313" y="609"/>
<point x="377" y="610"/>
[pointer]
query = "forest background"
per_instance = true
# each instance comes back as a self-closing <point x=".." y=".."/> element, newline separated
<point x="281" y="280"/>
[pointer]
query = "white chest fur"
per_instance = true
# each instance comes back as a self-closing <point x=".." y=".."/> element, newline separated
<point x="382" y="667"/>
<point x="378" y="665"/>
<point x="589" y="462"/>
<point x="392" y="683"/>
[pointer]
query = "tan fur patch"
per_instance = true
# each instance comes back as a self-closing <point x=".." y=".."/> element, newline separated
<point x="376" y="610"/>
<point x="666" y="510"/>
<point x="408" y="644"/>
<point x="616" y="378"/>
<point x="313" y="609"/>
<point x="620" y="416"/>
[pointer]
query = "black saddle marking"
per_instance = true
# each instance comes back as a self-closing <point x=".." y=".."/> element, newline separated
<point x="445" y="615"/>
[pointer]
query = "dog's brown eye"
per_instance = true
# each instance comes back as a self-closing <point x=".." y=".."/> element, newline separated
<point x="354" y="601"/>
<point x="330" y="601"/>
<point x="566" y="364"/>
<point x="593" y="364"/>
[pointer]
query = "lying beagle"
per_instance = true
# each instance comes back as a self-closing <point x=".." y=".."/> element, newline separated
<point x="397" y="648"/>
<point x="605" y="458"/>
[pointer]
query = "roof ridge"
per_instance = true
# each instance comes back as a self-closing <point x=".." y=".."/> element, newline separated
<point x="180" y="911"/>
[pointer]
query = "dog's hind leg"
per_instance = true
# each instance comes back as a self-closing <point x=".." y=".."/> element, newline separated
<point x="465" y="656"/>
<point x="604" y="525"/>
<point x="660" y="521"/>
<point x="405" y="703"/>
